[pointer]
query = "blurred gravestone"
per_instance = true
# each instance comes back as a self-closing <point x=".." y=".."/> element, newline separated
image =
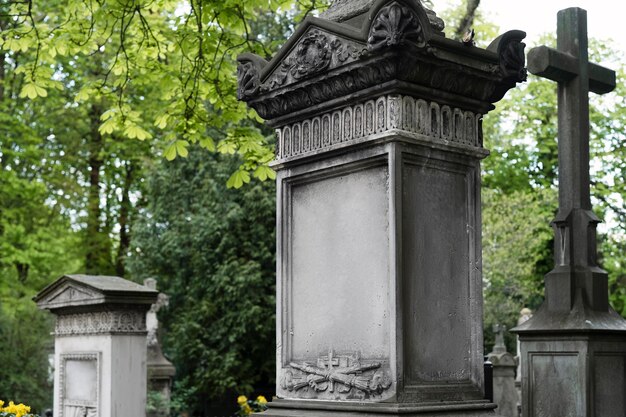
<point x="100" y="345"/>
<point x="574" y="346"/>
<point x="379" y="124"/>
<point x="504" y="391"/>
<point x="525" y="315"/>
<point x="160" y="370"/>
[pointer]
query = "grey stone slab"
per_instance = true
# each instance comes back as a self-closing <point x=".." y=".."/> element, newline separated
<point x="340" y="265"/>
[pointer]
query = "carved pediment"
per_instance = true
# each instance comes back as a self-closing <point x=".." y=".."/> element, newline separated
<point x="81" y="290"/>
<point x="316" y="51"/>
<point x="390" y="42"/>
<point x="71" y="294"/>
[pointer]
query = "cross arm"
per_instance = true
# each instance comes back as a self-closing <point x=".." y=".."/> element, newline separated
<point x="558" y="66"/>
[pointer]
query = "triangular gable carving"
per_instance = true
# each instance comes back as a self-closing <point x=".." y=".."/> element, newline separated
<point x="71" y="294"/>
<point x="317" y="50"/>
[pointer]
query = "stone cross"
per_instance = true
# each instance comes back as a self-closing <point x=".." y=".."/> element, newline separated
<point x="572" y="349"/>
<point x="499" y="345"/>
<point x="576" y="269"/>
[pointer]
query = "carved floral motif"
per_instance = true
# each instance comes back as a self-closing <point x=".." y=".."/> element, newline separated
<point x="101" y="322"/>
<point x="394" y="25"/>
<point x="341" y="374"/>
<point x="312" y="56"/>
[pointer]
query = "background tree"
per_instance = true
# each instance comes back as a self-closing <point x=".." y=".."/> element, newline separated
<point x="213" y="251"/>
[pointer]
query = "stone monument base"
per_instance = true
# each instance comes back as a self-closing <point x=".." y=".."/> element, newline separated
<point x="577" y="357"/>
<point x="305" y="408"/>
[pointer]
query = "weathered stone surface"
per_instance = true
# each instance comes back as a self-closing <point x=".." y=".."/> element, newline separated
<point x="395" y="48"/>
<point x="379" y="300"/>
<point x="75" y="291"/>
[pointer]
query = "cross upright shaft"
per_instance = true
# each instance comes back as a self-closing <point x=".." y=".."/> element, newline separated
<point x="575" y="269"/>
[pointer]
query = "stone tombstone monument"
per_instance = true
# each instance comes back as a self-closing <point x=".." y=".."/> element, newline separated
<point x="504" y="391"/>
<point x="100" y="345"/>
<point x="160" y="370"/>
<point x="574" y="346"/>
<point x="379" y="141"/>
<point x="525" y="315"/>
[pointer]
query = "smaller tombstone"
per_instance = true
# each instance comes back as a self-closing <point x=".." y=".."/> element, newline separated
<point x="100" y="345"/>
<point x="160" y="370"/>
<point x="504" y="391"/>
<point x="524" y="316"/>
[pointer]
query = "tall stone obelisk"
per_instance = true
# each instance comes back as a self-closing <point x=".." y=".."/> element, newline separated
<point x="378" y="117"/>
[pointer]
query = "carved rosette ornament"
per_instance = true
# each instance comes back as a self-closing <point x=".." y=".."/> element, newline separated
<point x="338" y="375"/>
<point x="394" y="25"/>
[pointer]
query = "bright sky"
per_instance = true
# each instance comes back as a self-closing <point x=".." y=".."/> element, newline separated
<point x="605" y="18"/>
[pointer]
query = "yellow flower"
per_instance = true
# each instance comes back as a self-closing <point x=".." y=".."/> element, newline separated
<point x="242" y="399"/>
<point x="246" y="409"/>
<point x="261" y="400"/>
<point x="19" y="410"/>
<point x="1" y="403"/>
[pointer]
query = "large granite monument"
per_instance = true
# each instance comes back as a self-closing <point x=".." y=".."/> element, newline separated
<point x="378" y="117"/>
<point x="100" y="345"/>
<point x="574" y="347"/>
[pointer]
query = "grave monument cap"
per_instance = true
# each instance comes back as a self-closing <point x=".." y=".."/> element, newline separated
<point x="71" y="292"/>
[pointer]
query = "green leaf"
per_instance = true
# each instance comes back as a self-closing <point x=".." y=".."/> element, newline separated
<point x="170" y="152"/>
<point x="227" y="147"/>
<point x="181" y="148"/>
<point x="238" y="178"/>
<point x="264" y="172"/>
<point x="161" y="121"/>
<point x="207" y="143"/>
<point x="32" y="91"/>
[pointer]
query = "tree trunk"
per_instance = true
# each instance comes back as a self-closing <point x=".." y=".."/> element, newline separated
<point x="96" y="258"/>
<point x="467" y="21"/>
<point x="22" y="271"/>
<point x="2" y="74"/>
<point x="124" y="221"/>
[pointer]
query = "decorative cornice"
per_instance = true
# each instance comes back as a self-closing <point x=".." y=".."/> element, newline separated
<point x="102" y="322"/>
<point x="397" y="42"/>
<point x="338" y="376"/>
<point x="353" y="124"/>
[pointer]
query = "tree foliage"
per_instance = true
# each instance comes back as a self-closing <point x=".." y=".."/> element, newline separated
<point x="212" y="250"/>
<point x="162" y="68"/>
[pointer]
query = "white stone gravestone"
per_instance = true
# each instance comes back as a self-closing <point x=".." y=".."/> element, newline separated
<point x="100" y="345"/>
